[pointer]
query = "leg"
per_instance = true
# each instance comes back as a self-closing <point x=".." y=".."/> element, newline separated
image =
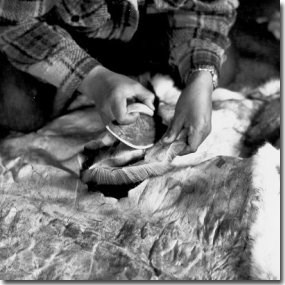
<point x="25" y="102"/>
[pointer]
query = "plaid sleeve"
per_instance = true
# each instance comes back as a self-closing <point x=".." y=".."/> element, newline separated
<point x="46" y="52"/>
<point x="199" y="34"/>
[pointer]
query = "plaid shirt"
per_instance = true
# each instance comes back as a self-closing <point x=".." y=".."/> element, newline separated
<point x="199" y="34"/>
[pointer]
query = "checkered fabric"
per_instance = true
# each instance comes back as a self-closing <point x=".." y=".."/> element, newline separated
<point x="198" y="34"/>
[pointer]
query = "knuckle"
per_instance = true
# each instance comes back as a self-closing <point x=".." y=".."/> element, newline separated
<point x="115" y="90"/>
<point x="204" y="127"/>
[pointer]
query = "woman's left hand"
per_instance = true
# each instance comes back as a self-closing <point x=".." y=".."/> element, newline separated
<point x="193" y="112"/>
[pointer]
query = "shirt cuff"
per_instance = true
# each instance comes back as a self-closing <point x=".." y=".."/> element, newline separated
<point x="200" y="59"/>
<point x="72" y="81"/>
<point x="65" y="69"/>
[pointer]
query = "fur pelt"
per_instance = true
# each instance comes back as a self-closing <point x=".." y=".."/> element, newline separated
<point x="265" y="231"/>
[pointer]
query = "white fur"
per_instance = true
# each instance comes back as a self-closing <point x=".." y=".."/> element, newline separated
<point x="221" y="94"/>
<point x="265" y="231"/>
<point x="165" y="89"/>
<point x="270" y="87"/>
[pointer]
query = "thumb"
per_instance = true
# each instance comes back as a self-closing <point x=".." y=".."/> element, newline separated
<point x="128" y="118"/>
<point x="145" y="96"/>
<point x="140" y="108"/>
<point x="121" y="114"/>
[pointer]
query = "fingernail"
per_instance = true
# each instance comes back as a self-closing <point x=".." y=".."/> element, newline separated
<point x="167" y="139"/>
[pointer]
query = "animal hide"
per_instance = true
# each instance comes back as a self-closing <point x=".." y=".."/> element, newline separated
<point x="204" y="216"/>
<point x="211" y="215"/>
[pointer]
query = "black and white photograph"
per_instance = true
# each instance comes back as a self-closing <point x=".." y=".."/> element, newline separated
<point x="140" y="140"/>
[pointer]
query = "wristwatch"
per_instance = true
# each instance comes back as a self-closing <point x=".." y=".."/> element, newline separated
<point x="210" y="69"/>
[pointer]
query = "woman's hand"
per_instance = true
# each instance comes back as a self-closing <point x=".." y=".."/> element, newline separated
<point x="193" y="112"/>
<point x="113" y="92"/>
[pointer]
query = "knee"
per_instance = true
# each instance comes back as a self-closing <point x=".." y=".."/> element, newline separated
<point x="25" y="102"/>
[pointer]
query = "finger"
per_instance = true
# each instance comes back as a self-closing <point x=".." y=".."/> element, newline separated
<point x="185" y="151"/>
<point x="183" y="135"/>
<point x="145" y="96"/>
<point x="128" y="118"/>
<point x="120" y="112"/>
<point x="195" y="138"/>
<point x="174" y="129"/>
<point x="140" y="108"/>
<point x="106" y="117"/>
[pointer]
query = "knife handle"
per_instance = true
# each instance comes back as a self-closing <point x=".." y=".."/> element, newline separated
<point x="140" y="108"/>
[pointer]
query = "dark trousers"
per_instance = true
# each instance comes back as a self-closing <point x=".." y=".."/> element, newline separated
<point x="25" y="102"/>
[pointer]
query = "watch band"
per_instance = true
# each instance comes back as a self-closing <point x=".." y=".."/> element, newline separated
<point x="210" y="69"/>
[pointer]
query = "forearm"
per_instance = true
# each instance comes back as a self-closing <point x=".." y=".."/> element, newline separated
<point x="86" y="86"/>
<point x="201" y="78"/>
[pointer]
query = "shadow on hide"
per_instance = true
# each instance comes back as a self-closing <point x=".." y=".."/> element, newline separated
<point x="115" y="191"/>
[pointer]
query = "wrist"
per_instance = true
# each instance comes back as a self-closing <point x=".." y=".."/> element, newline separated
<point x="90" y="79"/>
<point x="206" y="69"/>
<point x="202" y="78"/>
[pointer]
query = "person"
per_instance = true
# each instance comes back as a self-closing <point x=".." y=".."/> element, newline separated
<point x="46" y="43"/>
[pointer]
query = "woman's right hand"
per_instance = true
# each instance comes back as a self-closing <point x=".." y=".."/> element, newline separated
<point x="113" y="92"/>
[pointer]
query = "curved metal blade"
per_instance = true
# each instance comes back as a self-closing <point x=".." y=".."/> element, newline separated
<point x="140" y="135"/>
